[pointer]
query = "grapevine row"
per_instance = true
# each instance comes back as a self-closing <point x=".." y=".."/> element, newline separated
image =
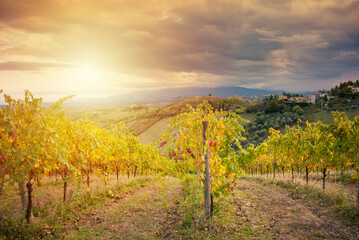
<point x="38" y="141"/>
<point x="316" y="146"/>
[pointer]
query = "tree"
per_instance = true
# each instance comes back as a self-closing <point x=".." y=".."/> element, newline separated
<point x="298" y="110"/>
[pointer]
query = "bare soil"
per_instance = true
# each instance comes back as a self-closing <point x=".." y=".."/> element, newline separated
<point x="256" y="209"/>
<point x="139" y="214"/>
<point x="274" y="213"/>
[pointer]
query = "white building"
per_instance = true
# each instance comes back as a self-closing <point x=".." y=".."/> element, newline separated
<point x="313" y="97"/>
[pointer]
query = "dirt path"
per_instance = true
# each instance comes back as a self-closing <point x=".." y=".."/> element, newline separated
<point x="138" y="214"/>
<point x="255" y="210"/>
<point x="271" y="212"/>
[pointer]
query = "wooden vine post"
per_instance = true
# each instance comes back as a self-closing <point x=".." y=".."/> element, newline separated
<point x="207" y="186"/>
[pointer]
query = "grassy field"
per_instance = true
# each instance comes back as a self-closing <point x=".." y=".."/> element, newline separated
<point x="155" y="132"/>
<point x="326" y="116"/>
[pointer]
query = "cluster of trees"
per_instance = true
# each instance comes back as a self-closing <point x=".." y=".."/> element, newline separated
<point x="253" y="107"/>
<point x="257" y="130"/>
<point x="344" y="90"/>
<point x="289" y="95"/>
<point x="342" y="95"/>
<point x="235" y="102"/>
<point x="317" y="146"/>
<point x="275" y="105"/>
<point x="37" y="141"/>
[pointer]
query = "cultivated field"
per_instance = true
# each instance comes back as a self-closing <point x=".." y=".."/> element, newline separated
<point x="153" y="208"/>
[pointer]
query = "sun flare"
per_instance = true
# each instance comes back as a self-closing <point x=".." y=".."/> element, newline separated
<point x="88" y="73"/>
<point x="87" y="78"/>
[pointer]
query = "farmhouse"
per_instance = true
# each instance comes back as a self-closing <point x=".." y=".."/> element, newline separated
<point x="282" y="97"/>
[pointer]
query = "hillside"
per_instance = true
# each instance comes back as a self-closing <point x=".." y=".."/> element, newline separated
<point x="152" y="134"/>
<point x="105" y="114"/>
<point x="149" y="121"/>
<point x="326" y="116"/>
<point x="137" y="118"/>
<point x="142" y="122"/>
<point x="154" y="131"/>
<point x="193" y="101"/>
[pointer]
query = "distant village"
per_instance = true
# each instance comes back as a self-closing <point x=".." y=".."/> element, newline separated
<point x="323" y="97"/>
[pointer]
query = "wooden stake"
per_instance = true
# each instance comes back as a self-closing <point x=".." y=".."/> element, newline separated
<point x="65" y="190"/>
<point x="207" y="186"/>
<point x="28" y="213"/>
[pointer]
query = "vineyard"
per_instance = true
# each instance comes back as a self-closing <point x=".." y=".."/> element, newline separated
<point x="318" y="146"/>
<point x="43" y="152"/>
<point x="38" y="142"/>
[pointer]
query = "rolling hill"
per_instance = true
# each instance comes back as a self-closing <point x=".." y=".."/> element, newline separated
<point x="142" y="122"/>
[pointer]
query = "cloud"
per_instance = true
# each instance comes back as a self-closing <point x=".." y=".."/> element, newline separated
<point x="237" y="43"/>
<point x="31" y="66"/>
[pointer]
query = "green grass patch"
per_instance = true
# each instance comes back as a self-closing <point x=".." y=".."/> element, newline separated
<point x="326" y="116"/>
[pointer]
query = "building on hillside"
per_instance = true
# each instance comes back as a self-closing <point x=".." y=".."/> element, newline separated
<point x="303" y="100"/>
<point x="282" y="97"/>
<point x="314" y="97"/>
<point x="356" y="89"/>
<point x="300" y="99"/>
<point x="354" y="103"/>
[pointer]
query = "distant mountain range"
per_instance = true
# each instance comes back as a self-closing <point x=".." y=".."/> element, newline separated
<point x="155" y="95"/>
<point x="171" y="93"/>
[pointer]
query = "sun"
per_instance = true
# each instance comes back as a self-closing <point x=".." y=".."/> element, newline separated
<point x="88" y="78"/>
<point x="88" y="73"/>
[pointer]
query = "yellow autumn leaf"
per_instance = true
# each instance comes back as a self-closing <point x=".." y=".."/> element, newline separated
<point x="6" y="208"/>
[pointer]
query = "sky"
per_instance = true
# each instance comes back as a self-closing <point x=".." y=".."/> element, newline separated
<point x="94" y="48"/>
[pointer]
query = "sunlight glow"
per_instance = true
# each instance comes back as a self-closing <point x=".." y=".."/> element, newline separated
<point x="88" y="73"/>
<point x="88" y="78"/>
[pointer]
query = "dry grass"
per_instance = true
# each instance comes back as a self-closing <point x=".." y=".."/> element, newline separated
<point x="332" y="188"/>
<point x="50" y="190"/>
